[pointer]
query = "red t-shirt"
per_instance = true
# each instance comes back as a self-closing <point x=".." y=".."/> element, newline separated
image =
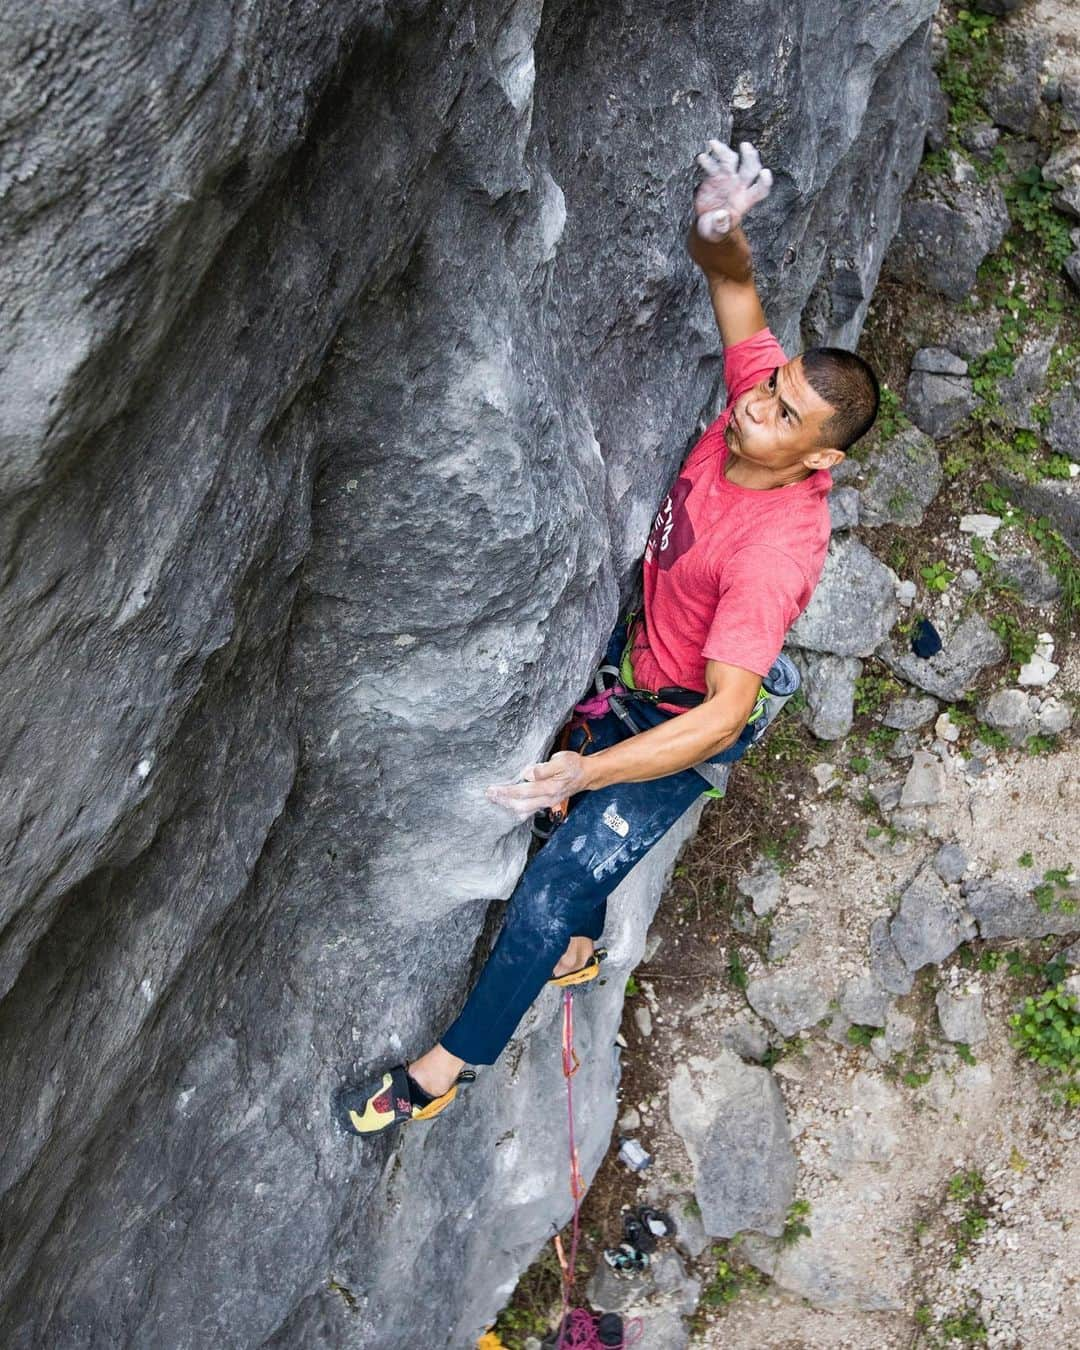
<point x="728" y="569"/>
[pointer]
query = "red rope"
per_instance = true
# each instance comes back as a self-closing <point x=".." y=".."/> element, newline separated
<point x="577" y="1327"/>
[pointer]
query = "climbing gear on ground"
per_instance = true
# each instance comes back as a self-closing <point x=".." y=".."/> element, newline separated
<point x="394" y="1100"/>
<point x="584" y="974"/>
<point x="637" y="1234"/>
<point x="583" y="1330"/>
<point x="658" y="1221"/>
<point x="626" y="1260"/>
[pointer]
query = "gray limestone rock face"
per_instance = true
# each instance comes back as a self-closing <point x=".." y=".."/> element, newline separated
<point x="784" y="939"/>
<point x="902" y="479"/>
<point x="827" y="1269"/>
<point x="908" y="714"/>
<point x="328" y="449"/>
<point x="747" y="1037"/>
<point x="1019" y="390"/>
<point x="925" y="781"/>
<point x="1063" y="428"/>
<point x="1031" y="579"/>
<point x="790" y="1000"/>
<point x="1012" y="96"/>
<point x="937" y="403"/>
<point x="853" y="607"/>
<point x="843" y="508"/>
<point x="886" y="964"/>
<point x="972" y="335"/>
<point x="961" y="1016"/>
<point x="829" y="685"/>
<point x="970" y="649"/>
<point x="1009" y="711"/>
<point x="980" y="138"/>
<point x="945" y="235"/>
<point x="929" y="925"/>
<point x="864" y="1000"/>
<point x="950" y="863"/>
<point x="731" y="1117"/>
<point x="1003" y="908"/>
<point x="1063" y="168"/>
<point x="763" y="887"/>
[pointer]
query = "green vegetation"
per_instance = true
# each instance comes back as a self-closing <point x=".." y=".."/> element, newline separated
<point x="873" y="691"/>
<point x="1025" y="860"/>
<point x="1055" y="551"/>
<point x="632" y="986"/>
<point x="965" y="1327"/>
<point x="794" y="1227"/>
<point x="736" y="971"/>
<point x="1031" y="207"/>
<point x="728" y="1280"/>
<point x="1047" y="1031"/>
<point x="1019" y="642"/>
<point x="967" y="1189"/>
<point x="535" y="1302"/>
<point x="891" y="417"/>
<point x="936" y="576"/>
<point x="972" y="53"/>
<point x="859" y="1034"/>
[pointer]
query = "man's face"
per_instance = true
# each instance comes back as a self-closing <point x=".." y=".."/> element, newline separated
<point x="779" y="423"/>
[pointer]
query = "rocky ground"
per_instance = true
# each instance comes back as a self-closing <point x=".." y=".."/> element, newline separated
<point x="820" y="1050"/>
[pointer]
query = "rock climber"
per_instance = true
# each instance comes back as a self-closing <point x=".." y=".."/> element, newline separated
<point x="734" y="555"/>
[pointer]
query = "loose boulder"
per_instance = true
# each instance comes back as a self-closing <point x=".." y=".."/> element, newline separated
<point x="731" y="1117"/>
<point x="945" y="235"/>
<point x="853" y="607"/>
<point x="928" y="926"/>
<point x="951" y="672"/>
<point x="1004" y="908"/>
<point x="829" y="685"/>
<point x="939" y="392"/>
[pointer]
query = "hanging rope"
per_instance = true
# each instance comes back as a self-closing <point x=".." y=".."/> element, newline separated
<point x="577" y="1327"/>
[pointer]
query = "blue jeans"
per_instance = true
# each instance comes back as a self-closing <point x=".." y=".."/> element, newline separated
<point x="564" y="889"/>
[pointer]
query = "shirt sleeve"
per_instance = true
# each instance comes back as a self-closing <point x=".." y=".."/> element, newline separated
<point x="751" y="360"/>
<point x="762" y="592"/>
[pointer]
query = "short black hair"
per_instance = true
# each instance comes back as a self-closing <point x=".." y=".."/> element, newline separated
<point x="848" y="383"/>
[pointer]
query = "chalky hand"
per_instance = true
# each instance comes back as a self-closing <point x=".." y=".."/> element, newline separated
<point x="543" y="786"/>
<point x="733" y="183"/>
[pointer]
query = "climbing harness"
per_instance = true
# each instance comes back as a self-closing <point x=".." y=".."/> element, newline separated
<point x="578" y="1328"/>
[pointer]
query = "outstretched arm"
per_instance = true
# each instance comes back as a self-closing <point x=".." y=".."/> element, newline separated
<point x="676" y="744"/>
<point x="731" y="187"/>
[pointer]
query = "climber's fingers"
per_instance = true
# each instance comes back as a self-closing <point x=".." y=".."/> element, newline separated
<point x="758" y="191"/>
<point x="542" y="785"/>
<point x="709" y="165"/>
<point x="750" y="166"/>
<point x="724" y="156"/>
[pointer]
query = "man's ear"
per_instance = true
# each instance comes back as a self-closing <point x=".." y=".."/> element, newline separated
<point x="823" y="459"/>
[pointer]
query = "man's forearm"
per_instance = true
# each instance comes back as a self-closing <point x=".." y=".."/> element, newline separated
<point x="672" y="746"/>
<point x="727" y="259"/>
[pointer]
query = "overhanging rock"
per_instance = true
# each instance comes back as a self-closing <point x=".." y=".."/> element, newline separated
<point x="353" y="348"/>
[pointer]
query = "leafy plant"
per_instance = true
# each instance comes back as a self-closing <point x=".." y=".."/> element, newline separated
<point x="1025" y="860"/>
<point x="871" y="691"/>
<point x="1047" y="1031"/>
<point x="936" y="576"/>
<point x="965" y="1326"/>
<point x="736" y="970"/>
<point x="632" y="986"/>
<point x="1031" y="206"/>
<point x="794" y="1227"/>
<point x="859" y="1034"/>
<point x="891" y="417"/>
<point x="1019" y="642"/>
